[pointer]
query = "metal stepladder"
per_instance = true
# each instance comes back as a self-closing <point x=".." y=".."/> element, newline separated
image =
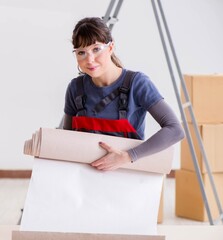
<point x="162" y="23"/>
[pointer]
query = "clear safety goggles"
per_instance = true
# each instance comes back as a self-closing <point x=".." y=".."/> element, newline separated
<point x="95" y="50"/>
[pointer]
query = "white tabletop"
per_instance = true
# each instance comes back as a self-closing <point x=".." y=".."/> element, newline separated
<point x="172" y="232"/>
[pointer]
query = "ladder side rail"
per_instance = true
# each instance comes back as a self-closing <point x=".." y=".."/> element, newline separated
<point x="108" y="12"/>
<point x="200" y="142"/>
<point x="200" y="180"/>
<point x="115" y="15"/>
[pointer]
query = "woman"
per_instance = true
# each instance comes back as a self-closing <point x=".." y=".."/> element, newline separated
<point x="108" y="99"/>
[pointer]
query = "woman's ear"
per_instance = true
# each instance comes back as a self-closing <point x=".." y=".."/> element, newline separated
<point x="112" y="47"/>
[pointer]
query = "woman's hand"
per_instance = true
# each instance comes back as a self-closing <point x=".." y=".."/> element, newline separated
<point x="112" y="160"/>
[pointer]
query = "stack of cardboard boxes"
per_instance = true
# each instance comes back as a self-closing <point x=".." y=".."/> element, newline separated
<point x="206" y="95"/>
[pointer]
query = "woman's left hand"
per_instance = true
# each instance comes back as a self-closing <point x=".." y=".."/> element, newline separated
<point x="114" y="158"/>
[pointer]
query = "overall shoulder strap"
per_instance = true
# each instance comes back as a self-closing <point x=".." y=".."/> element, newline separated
<point x="81" y="97"/>
<point x="122" y="92"/>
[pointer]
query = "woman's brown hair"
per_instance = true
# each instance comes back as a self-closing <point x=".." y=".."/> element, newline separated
<point x="90" y="30"/>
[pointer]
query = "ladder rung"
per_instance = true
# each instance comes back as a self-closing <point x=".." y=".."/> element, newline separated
<point x="186" y="104"/>
<point x="112" y="20"/>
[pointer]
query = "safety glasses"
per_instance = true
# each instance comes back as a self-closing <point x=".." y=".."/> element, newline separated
<point x="94" y="50"/>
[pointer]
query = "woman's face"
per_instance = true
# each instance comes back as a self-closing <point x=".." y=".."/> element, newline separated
<point x="94" y="59"/>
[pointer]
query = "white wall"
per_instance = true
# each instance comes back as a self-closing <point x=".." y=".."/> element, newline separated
<point x="37" y="63"/>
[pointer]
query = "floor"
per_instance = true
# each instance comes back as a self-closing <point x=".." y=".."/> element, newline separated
<point x="13" y="194"/>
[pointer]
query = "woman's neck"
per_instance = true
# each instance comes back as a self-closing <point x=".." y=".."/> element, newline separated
<point x="108" y="77"/>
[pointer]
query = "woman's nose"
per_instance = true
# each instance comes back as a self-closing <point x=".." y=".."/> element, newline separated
<point x="90" y="57"/>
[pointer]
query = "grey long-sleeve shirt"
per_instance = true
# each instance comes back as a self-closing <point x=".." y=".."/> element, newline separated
<point x="170" y="133"/>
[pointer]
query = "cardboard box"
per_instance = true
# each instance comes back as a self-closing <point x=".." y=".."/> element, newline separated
<point x="212" y="137"/>
<point x="189" y="201"/>
<point x="206" y="96"/>
<point x="160" y="213"/>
